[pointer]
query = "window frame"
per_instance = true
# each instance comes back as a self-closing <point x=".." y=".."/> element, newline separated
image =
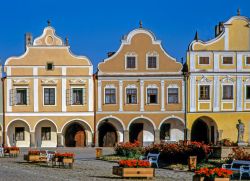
<point x="170" y="127"/>
<point x="157" y="98"/>
<point x="209" y="93"/>
<point x="247" y="85"/>
<point x="45" y="134"/>
<point x="23" y="139"/>
<point x="227" y="56"/>
<point x="131" y="55"/>
<point x="178" y="94"/>
<point x="223" y="92"/>
<point x="71" y="94"/>
<point x="246" y="57"/>
<point x="53" y="66"/>
<point x="27" y="94"/>
<point x="105" y="95"/>
<point x="52" y="87"/>
<point x="153" y="54"/>
<point x="126" y="95"/>
<point x="203" y="56"/>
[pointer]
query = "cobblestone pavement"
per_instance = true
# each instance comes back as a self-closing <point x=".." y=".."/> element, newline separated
<point x="86" y="168"/>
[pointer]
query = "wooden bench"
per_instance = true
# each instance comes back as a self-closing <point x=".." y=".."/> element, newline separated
<point x="241" y="166"/>
<point x="152" y="158"/>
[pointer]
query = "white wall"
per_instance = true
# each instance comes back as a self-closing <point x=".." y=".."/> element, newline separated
<point x="45" y="143"/>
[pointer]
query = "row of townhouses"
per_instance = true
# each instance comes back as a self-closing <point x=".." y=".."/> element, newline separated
<point x="51" y="97"/>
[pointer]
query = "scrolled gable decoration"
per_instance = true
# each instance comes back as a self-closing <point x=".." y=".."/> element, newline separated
<point x="77" y="81"/>
<point x="49" y="82"/>
<point x="227" y="80"/>
<point x="20" y="82"/>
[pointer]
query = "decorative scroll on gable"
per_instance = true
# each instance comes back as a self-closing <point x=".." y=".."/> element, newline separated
<point x="48" y="38"/>
<point x="227" y="80"/>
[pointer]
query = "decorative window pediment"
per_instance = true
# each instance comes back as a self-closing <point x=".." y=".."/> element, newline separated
<point x="247" y="81"/>
<point x="49" y="82"/>
<point x="20" y="82"/>
<point x="227" y="80"/>
<point x="77" y="81"/>
<point x="152" y="86"/>
<point x="173" y="86"/>
<point x="131" y="86"/>
<point x="110" y="86"/>
<point x="204" y="80"/>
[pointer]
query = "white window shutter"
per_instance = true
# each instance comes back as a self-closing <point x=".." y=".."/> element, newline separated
<point x="68" y="97"/>
<point x="28" y="96"/>
<point x="12" y="97"/>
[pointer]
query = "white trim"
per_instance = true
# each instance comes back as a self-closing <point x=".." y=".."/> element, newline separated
<point x="245" y="57"/>
<point x="192" y="61"/>
<point x="227" y="100"/>
<point x="193" y="94"/>
<point x="54" y="87"/>
<point x="204" y="54"/>
<point x="50" y="114"/>
<point x="152" y="54"/>
<point x="216" y="97"/>
<point x="71" y="92"/>
<point x="174" y="86"/>
<point x="246" y="101"/>
<point x="171" y="117"/>
<point x="141" y="117"/>
<point x="140" y="77"/>
<point x="112" y="117"/>
<point x="226" y="40"/>
<point x="227" y="54"/>
<point x="90" y="95"/>
<point x="75" y="120"/>
<point x="239" y="94"/>
<point x="45" y="119"/>
<point x="142" y="95"/>
<point x="204" y="100"/>
<point x="27" y="95"/>
<point x="140" y="112"/>
<point x="120" y="95"/>
<point x="17" y="119"/>
<point x="162" y="95"/>
<point x="99" y="95"/>
<point x="64" y="89"/>
<point x="35" y="90"/>
<point x="9" y="87"/>
<point x="130" y="54"/>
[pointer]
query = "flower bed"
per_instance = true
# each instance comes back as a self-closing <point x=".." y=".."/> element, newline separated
<point x="134" y="168"/>
<point x="130" y="150"/>
<point x="63" y="158"/>
<point x="12" y="151"/>
<point x="179" y="153"/>
<point x="212" y="174"/>
<point x="239" y="154"/>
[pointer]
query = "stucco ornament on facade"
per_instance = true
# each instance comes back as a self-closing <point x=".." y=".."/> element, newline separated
<point x="77" y="81"/>
<point x="49" y="81"/>
<point x="204" y="80"/>
<point x="20" y="81"/>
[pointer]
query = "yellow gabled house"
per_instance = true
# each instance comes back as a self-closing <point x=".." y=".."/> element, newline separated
<point x="219" y="83"/>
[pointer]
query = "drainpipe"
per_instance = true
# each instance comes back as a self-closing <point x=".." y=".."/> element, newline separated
<point x="3" y="98"/>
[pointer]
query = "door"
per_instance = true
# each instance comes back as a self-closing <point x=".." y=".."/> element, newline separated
<point x="107" y="135"/>
<point x="79" y="138"/>
<point x="136" y="133"/>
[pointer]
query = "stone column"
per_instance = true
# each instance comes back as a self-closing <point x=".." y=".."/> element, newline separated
<point x="157" y="136"/>
<point x="32" y="139"/>
<point x="125" y="136"/>
<point x="60" y="140"/>
<point x="188" y="132"/>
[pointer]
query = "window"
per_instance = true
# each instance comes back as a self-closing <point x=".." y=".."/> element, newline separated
<point x="152" y="62"/>
<point x="110" y="97"/>
<point x="248" y="60"/>
<point x="19" y="133"/>
<point x="45" y="133"/>
<point x="173" y="96"/>
<point x="49" y="96"/>
<point x="248" y="92"/>
<point x="152" y="96"/>
<point x="165" y="131"/>
<point x="50" y="66"/>
<point x="227" y="60"/>
<point x="204" y="92"/>
<point x="204" y="60"/>
<point x="21" y="96"/>
<point x="77" y="96"/>
<point x="227" y="91"/>
<point x="130" y="62"/>
<point x="131" y="96"/>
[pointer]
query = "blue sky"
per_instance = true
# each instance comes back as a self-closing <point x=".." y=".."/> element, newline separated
<point x="96" y="27"/>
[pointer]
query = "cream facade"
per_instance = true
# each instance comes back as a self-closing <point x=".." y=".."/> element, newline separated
<point x="49" y="95"/>
<point x="219" y="83"/>
<point x="139" y="93"/>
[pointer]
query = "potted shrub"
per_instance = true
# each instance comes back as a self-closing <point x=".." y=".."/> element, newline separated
<point x="212" y="174"/>
<point x="134" y="168"/>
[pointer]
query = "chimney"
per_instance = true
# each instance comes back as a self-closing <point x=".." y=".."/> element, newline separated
<point x="218" y="29"/>
<point x="110" y="54"/>
<point x="28" y="40"/>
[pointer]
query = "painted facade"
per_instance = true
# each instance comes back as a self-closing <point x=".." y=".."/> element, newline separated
<point x="139" y="93"/>
<point x="49" y="95"/>
<point x="219" y="83"/>
<point x="1" y="107"/>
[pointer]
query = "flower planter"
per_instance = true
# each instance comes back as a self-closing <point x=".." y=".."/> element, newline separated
<point x="192" y="162"/>
<point x="13" y="153"/>
<point x="33" y="158"/>
<point x="134" y="172"/>
<point x="68" y="160"/>
<point x="198" y="178"/>
<point x="221" y="179"/>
